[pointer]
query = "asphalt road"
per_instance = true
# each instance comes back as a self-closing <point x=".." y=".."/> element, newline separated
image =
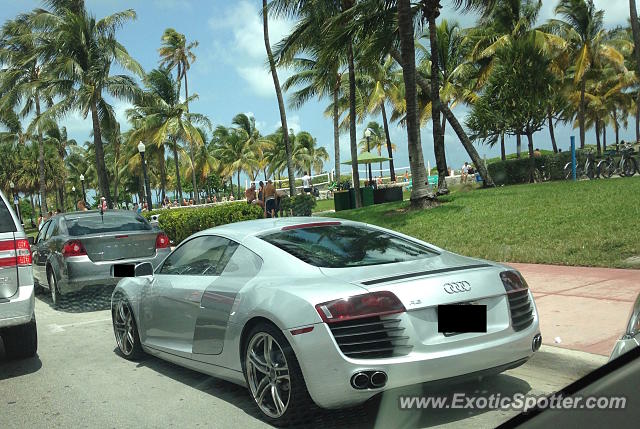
<point x="79" y="380"/>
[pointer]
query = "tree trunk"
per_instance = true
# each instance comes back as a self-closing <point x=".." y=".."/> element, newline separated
<point x="616" y="127"/>
<point x="503" y="153"/>
<point x="604" y="137"/>
<point x="61" y="196"/>
<point x="453" y="121"/>
<point x="471" y="151"/>
<point x="438" y="134"/>
<point x="551" y="132"/>
<point x="518" y="146"/>
<point x="101" y="169"/>
<point x="238" y="185"/>
<point x="177" y="162"/>
<point x="638" y="117"/>
<point x="194" y="182"/>
<point x="163" y="174"/>
<point x="598" y="148"/>
<point x="336" y="128"/>
<point x="581" y="112"/>
<point x="420" y="195"/>
<point x="532" y="161"/>
<point x="276" y="84"/>
<point x="387" y="136"/>
<point x="352" y="125"/>
<point x="41" y="173"/>
<point x="635" y="30"/>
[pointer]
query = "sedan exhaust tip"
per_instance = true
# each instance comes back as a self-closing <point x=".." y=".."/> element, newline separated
<point x="360" y="380"/>
<point x="536" y="343"/>
<point x="378" y="379"/>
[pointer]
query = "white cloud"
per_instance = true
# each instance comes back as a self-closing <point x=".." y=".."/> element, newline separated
<point x="245" y="50"/>
<point x="293" y="122"/>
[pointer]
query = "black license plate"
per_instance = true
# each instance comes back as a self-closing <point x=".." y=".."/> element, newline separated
<point x="459" y="319"/>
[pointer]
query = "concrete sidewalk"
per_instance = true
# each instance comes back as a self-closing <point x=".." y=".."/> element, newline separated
<point x="586" y="308"/>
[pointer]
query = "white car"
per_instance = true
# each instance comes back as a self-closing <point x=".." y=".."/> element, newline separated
<point x="17" y="301"/>
<point x="324" y="311"/>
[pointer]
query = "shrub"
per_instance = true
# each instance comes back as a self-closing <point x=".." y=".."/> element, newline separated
<point x="300" y="205"/>
<point x="181" y="223"/>
<point x="514" y="171"/>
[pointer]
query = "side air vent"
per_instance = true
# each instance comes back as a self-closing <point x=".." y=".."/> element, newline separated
<point x="371" y="337"/>
<point x="521" y="309"/>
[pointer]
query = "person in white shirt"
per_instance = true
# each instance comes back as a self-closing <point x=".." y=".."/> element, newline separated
<point x="465" y="172"/>
<point x="306" y="183"/>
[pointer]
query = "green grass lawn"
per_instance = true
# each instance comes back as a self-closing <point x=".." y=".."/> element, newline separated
<point x="587" y="223"/>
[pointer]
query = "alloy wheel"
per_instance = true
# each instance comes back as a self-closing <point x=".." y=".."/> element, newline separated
<point x="268" y="375"/>
<point x="53" y="288"/>
<point x="123" y="326"/>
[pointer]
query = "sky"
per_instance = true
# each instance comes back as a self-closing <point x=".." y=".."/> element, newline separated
<point x="230" y="74"/>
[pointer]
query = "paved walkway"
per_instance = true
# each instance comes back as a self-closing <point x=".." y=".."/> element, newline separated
<point x="585" y="308"/>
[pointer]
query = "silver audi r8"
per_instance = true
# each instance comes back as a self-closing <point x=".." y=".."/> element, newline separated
<point x="324" y="311"/>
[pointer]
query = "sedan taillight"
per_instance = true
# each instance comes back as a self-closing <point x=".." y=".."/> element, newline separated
<point x="73" y="248"/>
<point x="513" y="281"/>
<point x="359" y="306"/>
<point x="15" y="253"/>
<point x="162" y="241"/>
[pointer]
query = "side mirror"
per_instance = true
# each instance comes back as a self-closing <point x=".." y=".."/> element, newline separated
<point x="132" y="270"/>
<point x="31" y="240"/>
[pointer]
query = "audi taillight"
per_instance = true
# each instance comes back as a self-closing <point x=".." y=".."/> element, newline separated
<point x="359" y="306"/>
<point x="162" y="241"/>
<point x="73" y="248"/>
<point x="513" y="281"/>
<point x="15" y="253"/>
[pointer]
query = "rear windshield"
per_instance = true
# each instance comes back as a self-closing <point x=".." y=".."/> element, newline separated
<point x="343" y="246"/>
<point x="112" y="222"/>
<point x="6" y="221"/>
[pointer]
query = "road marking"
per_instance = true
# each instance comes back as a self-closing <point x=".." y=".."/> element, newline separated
<point x="60" y="328"/>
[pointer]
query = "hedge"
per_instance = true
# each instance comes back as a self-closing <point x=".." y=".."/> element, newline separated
<point x="299" y="204"/>
<point x="514" y="171"/>
<point x="181" y="223"/>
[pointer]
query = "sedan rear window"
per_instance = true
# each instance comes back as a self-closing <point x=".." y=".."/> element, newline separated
<point x="342" y="246"/>
<point x="111" y="222"/>
<point x="6" y="221"/>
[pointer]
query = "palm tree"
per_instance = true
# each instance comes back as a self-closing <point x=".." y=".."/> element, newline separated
<point x="232" y="152"/>
<point x="276" y="84"/>
<point x="377" y="141"/>
<point x="83" y="50"/>
<point x="635" y="30"/>
<point x="583" y="30"/>
<point x="308" y="155"/>
<point x="57" y="137"/>
<point x="159" y="118"/>
<point x="175" y="53"/>
<point x="23" y="81"/>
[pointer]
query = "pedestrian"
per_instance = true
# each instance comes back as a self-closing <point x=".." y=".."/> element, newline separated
<point x="215" y="199"/>
<point x="250" y="193"/>
<point x="306" y="183"/>
<point x="232" y="198"/>
<point x="465" y="172"/>
<point x="537" y="153"/>
<point x="269" y="199"/>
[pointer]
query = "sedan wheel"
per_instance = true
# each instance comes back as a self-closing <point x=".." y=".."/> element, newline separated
<point x="53" y="288"/>
<point x="125" y="330"/>
<point x="274" y="377"/>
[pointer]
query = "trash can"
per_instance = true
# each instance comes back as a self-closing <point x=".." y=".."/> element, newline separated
<point x="367" y="196"/>
<point x="341" y="200"/>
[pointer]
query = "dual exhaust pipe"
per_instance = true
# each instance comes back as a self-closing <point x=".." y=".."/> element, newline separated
<point x="368" y="380"/>
<point x="536" y="343"/>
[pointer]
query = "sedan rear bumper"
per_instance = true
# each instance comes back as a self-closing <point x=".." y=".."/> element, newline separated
<point x="81" y="272"/>
<point x="328" y="372"/>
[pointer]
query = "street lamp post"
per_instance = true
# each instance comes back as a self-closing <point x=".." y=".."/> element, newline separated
<point x="75" y="198"/>
<point x="141" y="149"/>
<point x="367" y="134"/>
<point x="15" y="200"/>
<point x="84" y="195"/>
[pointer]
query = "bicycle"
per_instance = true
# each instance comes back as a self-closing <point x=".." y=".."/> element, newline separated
<point x="628" y="164"/>
<point x="607" y="167"/>
<point x="540" y="174"/>
<point x="588" y="170"/>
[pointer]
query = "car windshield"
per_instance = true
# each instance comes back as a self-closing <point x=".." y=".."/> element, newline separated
<point x="112" y="222"/>
<point x="341" y="246"/>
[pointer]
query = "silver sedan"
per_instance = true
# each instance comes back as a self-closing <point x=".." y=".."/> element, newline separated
<point x="631" y="337"/>
<point x="75" y="250"/>
<point x="308" y="311"/>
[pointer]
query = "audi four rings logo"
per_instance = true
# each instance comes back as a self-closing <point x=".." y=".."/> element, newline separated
<point x="456" y="287"/>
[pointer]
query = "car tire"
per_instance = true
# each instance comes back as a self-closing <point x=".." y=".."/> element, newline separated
<point x="125" y="330"/>
<point x="38" y="289"/>
<point x="21" y="341"/>
<point x="299" y="406"/>
<point x="56" y="298"/>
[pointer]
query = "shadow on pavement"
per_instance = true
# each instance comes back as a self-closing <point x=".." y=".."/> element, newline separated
<point x="381" y="411"/>
<point x="18" y="367"/>
<point x="95" y="298"/>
